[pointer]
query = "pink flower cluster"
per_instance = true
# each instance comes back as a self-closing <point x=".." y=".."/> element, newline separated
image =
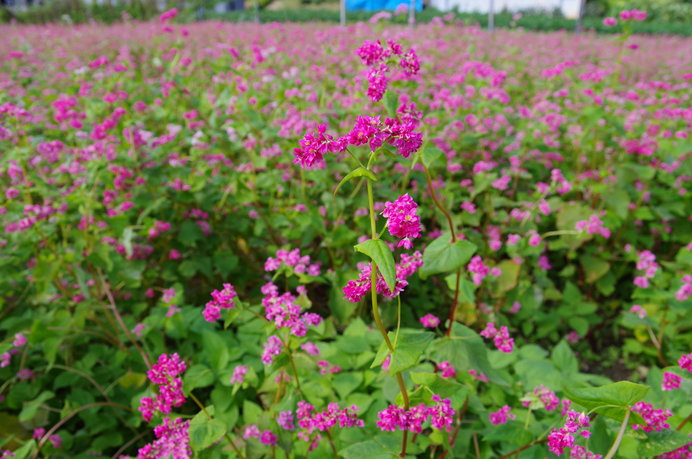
<point x="447" y="369"/>
<point x="501" y="337"/>
<point x="272" y="348"/>
<point x="429" y="321"/>
<point x="685" y="289"/>
<point x="239" y="374"/>
<point x="310" y="421"/>
<point x="593" y="225"/>
<point x="402" y="220"/>
<point x="638" y="310"/>
<point x="6" y="357"/>
<point x="684" y="452"/>
<point x="646" y="262"/>
<point x="478" y="375"/>
<point x="685" y="362"/>
<point x="480" y="270"/>
<point x="580" y="452"/>
<point x="266" y="437"/>
<point x="441" y="416"/>
<point x="292" y="259"/>
<point x="373" y="54"/>
<point x="285" y="312"/>
<point x="543" y="394"/>
<point x="220" y="300"/>
<point x="501" y="416"/>
<point x="633" y="15"/>
<point x="576" y="423"/>
<point x="671" y="381"/>
<point x="355" y="290"/>
<point x="165" y="373"/>
<point x="653" y="419"/>
<point x="172" y="440"/>
<point x="369" y="130"/>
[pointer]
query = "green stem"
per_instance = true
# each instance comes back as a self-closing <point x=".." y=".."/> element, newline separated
<point x="376" y="311"/>
<point x="438" y="204"/>
<point x="228" y="438"/>
<point x="621" y="433"/>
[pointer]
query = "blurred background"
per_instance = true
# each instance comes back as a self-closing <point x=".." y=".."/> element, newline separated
<point x="664" y="16"/>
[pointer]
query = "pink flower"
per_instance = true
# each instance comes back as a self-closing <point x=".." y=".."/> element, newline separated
<point x="272" y="348"/>
<point x="654" y="419"/>
<point x="19" y="340"/>
<point x="285" y="420"/>
<point x="402" y="220"/>
<point x="429" y="321"/>
<point x="610" y="22"/>
<point x="685" y="362"/>
<point x="468" y="207"/>
<point x="501" y="337"/>
<point x="310" y="348"/>
<point x="138" y="329"/>
<point x="447" y="370"/>
<point x="393" y="417"/>
<point x="268" y="438"/>
<point x="165" y="373"/>
<point x="638" y="310"/>
<point x="501" y="416"/>
<point x="172" y="440"/>
<point x="238" y="374"/>
<point x="478" y="375"/>
<point x="562" y="438"/>
<point x="220" y="300"/>
<point x="168" y="15"/>
<point x="671" y="381"/>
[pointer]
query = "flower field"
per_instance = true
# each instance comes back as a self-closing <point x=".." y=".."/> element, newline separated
<point x="305" y="241"/>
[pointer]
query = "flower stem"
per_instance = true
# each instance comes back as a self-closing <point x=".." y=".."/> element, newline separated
<point x="376" y="311"/>
<point x="621" y="433"/>
<point x="438" y="204"/>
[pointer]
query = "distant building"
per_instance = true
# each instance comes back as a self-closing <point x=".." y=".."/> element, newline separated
<point x="569" y="8"/>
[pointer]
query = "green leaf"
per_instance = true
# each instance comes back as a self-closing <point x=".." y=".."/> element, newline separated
<point x="380" y="253"/>
<point x="391" y="101"/>
<point x="611" y="400"/>
<point x="370" y="449"/>
<point x="215" y="350"/>
<point x="190" y="232"/>
<point x="430" y="154"/>
<point x="662" y="442"/>
<point x="345" y="383"/>
<point x="564" y="358"/>
<point x="205" y="432"/>
<point x="408" y="350"/>
<point x="509" y="277"/>
<point x="359" y="172"/>
<point x="198" y="376"/>
<point x="30" y="409"/>
<point x="442" y="256"/>
<point x="595" y="268"/>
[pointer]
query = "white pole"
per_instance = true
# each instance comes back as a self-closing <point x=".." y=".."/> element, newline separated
<point x="580" y="15"/>
<point x="412" y="13"/>
<point x="491" y="16"/>
<point x="342" y="13"/>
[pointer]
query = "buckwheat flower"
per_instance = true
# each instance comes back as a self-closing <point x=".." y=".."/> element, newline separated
<point x="272" y="348"/>
<point x="572" y="337"/>
<point x="447" y="370"/>
<point x="478" y="375"/>
<point x="372" y="52"/>
<point x="513" y="239"/>
<point x="610" y="22"/>
<point x="38" y="433"/>
<point x="409" y="63"/>
<point x="478" y="269"/>
<point x="172" y="440"/>
<point x="468" y="207"/>
<point x="310" y="348"/>
<point x="502" y="416"/>
<point x="502" y="183"/>
<point x="168" y="15"/>
<point x="19" y="340"/>
<point x="429" y="321"/>
<point x="671" y="381"/>
<point x="638" y="310"/>
<point x="55" y="440"/>
<point x="220" y="300"/>
<point x="641" y="282"/>
<point x="685" y="362"/>
<point x="684" y="452"/>
<point x="654" y="419"/>
<point x="6" y="454"/>
<point x="239" y="374"/>
<point x="173" y="254"/>
<point x="138" y="329"/>
<point x="544" y="263"/>
<point x="285" y="420"/>
<point x="580" y="452"/>
<point x="562" y="438"/>
<point x="268" y="438"/>
<point x="251" y="431"/>
<point x="313" y="147"/>
<point x="24" y="374"/>
<point x="387" y="362"/>
<point x="442" y="414"/>
<point x="593" y="225"/>
<point x="377" y="82"/>
<point x="516" y="307"/>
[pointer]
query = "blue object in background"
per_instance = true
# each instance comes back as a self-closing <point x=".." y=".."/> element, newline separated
<point x="378" y="5"/>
